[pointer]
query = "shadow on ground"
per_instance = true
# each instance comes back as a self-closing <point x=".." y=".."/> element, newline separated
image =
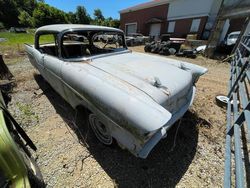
<point x="164" y="167"/>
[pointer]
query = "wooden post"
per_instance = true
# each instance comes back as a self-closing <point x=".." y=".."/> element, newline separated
<point x="5" y="73"/>
<point x="214" y="38"/>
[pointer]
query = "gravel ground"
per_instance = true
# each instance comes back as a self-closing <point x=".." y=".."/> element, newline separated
<point x="70" y="156"/>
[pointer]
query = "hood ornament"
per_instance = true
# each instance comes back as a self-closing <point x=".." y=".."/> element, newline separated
<point x="157" y="83"/>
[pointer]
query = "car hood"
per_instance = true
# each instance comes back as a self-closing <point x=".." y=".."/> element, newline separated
<point x="160" y="78"/>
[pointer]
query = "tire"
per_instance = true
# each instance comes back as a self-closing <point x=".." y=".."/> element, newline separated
<point x="34" y="173"/>
<point x="132" y="43"/>
<point x="101" y="131"/>
<point x="155" y="49"/>
<point x="222" y="100"/>
<point x="147" y="48"/>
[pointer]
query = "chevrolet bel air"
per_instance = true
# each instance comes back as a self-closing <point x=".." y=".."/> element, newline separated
<point x="133" y="98"/>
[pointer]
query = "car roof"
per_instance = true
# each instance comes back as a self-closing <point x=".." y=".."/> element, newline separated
<point x="57" y="28"/>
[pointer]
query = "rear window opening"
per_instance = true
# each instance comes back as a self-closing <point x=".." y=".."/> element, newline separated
<point x="48" y="44"/>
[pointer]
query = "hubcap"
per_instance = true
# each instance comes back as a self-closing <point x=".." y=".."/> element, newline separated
<point x="100" y="130"/>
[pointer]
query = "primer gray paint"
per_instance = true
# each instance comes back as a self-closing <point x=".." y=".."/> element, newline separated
<point x="137" y="96"/>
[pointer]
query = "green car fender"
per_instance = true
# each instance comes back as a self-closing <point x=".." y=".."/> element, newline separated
<point x="12" y="164"/>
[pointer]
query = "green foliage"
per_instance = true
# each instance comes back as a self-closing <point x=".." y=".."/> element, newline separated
<point x="26" y="112"/>
<point x="26" y="5"/>
<point x="82" y="17"/>
<point x="101" y="20"/>
<point x="116" y="23"/>
<point x="9" y="12"/>
<point x="25" y="19"/>
<point x="10" y="9"/>
<point x="72" y="18"/>
<point x="98" y="15"/>
<point x="110" y="22"/>
<point x="36" y="13"/>
<point x="1" y="25"/>
<point x="45" y="15"/>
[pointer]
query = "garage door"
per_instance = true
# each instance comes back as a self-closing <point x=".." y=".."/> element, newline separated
<point x="131" y="28"/>
<point x="155" y="30"/>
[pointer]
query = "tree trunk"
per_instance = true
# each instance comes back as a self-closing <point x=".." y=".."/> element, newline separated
<point x="5" y="73"/>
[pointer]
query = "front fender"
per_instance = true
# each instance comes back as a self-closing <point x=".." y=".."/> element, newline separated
<point x="11" y="162"/>
<point x="122" y="103"/>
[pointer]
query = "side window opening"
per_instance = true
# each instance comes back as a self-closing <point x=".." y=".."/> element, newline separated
<point x="48" y="44"/>
<point x="75" y="45"/>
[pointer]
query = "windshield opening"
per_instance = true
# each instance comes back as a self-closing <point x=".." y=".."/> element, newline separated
<point x="89" y="43"/>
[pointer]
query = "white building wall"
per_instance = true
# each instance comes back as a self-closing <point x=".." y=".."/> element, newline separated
<point x="213" y="13"/>
<point x="180" y="9"/>
<point x="232" y="2"/>
<point x="215" y="7"/>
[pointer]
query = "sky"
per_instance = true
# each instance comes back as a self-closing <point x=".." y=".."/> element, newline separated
<point x="108" y="7"/>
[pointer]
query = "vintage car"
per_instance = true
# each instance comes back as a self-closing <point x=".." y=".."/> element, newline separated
<point x="131" y="97"/>
<point x="136" y="39"/>
<point x="232" y="38"/>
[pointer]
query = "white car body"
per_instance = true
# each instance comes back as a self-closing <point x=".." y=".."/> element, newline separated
<point x="136" y="97"/>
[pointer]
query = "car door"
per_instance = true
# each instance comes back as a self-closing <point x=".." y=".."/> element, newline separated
<point x="50" y="63"/>
<point x="52" y="69"/>
<point x="35" y="57"/>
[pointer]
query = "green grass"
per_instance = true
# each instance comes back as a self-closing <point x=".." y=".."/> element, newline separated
<point x="14" y="45"/>
<point x="26" y="112"/>
<point x="16" y="38"/>
<point x="21" y="38"/>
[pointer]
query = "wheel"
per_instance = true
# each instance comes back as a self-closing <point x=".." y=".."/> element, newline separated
<point x="132" y="43"/>
<point x="147" y="48"/>
<point x="101" y="131"/>
<point x="34" y="173"/>
<point x="221" y="100"/>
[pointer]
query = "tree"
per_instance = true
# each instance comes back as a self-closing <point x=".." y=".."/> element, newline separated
<point x="26" y="5"/>
<point x="98" y="15"/>
<point x="9" y="12"/>
<point x="45" y="15"/>
<point x="42" y="15"/>
<point x="115" y="23"/>
<point x="72" y="17"/>
<point x="25" y="19"/>
<point x="11" y="9"/>
<point x="37" y="13"/>
<point x="81" y="15"/>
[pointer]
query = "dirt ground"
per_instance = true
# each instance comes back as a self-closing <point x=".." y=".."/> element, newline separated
<point x="70" y="156"/>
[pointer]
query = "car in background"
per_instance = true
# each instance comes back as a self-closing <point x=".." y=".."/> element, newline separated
<point x="136" y="39"/>
<point x="232" y="38"/>
<point x="17" y="30"/>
